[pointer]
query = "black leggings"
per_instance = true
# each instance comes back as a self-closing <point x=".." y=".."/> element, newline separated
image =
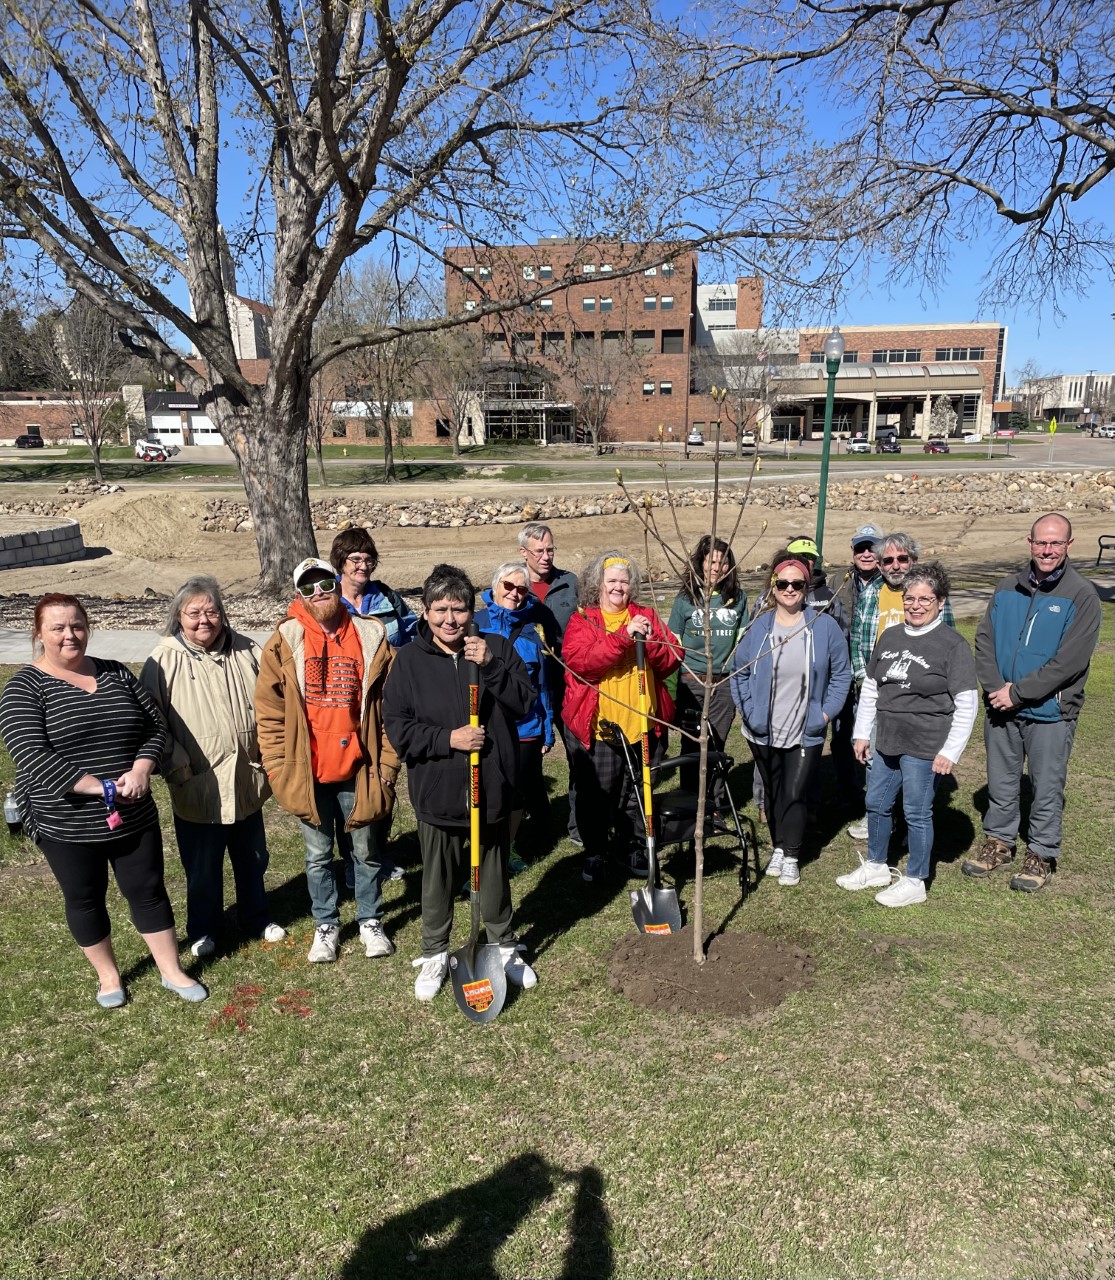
<point x="787" y="774"/>
<point x="82" y="872"/>
<point x="531" y="792"/>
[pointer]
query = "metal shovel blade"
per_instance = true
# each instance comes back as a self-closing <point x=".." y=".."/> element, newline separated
<point x="656" y="910"/>
<point x="479" y="982"/>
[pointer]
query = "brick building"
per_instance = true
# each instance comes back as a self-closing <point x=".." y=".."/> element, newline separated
<point x="38" y="413"/>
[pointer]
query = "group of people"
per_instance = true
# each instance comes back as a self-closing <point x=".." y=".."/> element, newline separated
<point x="352" y="685"/>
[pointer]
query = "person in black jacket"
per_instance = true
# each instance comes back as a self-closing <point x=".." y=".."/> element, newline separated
<point x="426" y="715"/>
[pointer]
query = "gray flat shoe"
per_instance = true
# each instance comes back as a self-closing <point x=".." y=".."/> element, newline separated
<point x="194" y="992"/>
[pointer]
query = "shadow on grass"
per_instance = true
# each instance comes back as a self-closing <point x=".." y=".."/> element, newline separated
<point x="471" y="1224"/>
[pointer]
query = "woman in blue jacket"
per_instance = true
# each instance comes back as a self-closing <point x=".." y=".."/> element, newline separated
<point x="790" y="678"/>
<point x="510" y="610"/>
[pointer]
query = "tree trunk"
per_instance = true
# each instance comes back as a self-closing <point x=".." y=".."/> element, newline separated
<point x="455" y="437"/>
<point x="389" y="476"/>
<point x="320" y="460"/>
<point x="95" y="450"/>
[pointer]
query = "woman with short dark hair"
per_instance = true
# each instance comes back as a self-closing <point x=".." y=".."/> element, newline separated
<point x="354" y="558"/>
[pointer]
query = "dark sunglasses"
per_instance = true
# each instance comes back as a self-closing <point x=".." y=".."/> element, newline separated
<point x="326" y="586"/>
<point x="790" y="584"/>
<point x="895" y="560"/>
<point x="517" y="587"/>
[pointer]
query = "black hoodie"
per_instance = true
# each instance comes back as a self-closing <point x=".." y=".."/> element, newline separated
<point x="426" y="698"/>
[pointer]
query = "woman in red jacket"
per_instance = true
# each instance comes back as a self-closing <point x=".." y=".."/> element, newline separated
<point x="601" y="682"/>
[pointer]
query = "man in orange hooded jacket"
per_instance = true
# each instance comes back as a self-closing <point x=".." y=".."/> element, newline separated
<point x="319" y="710"/>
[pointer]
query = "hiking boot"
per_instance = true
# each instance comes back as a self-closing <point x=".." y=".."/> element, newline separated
<point x="774" y="866"/>
<point x="868" y="875"/>
<point x="858" y="830"/>
<point x="432" y="974"/>
<point x="204" y="946"/>
<point x="516" y="968"/>
<point x="376" y="943"/>
<point x="1034" y="875"/>
<point x="995" y="853"/>
<point x="593" y="868"/>
<point x="324" y="947"/>
<point x="790" y="874"/>
<point x="905" y="892"/>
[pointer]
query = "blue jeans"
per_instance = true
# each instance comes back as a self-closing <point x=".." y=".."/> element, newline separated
<point x="201" y="846"/>
<point x="918" y="783"/>
<point x="335" y="801"/>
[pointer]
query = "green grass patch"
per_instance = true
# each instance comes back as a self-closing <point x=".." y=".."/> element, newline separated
<point x="937" y="1105"/>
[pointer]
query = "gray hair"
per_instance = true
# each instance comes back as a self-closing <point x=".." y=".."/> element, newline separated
<point x="533" y="530"/>
<point x="593" y="579"/>
<point x="903" y="541"/>
<point x="508" y="567"/>
<point x="190" y="590"/>
<point x="933" y="574"/>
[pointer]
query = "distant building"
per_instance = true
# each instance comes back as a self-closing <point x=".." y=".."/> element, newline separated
<point x="1068" y="397"/>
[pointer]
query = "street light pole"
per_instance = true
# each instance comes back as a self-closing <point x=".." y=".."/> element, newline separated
<point x="834" y="355"/>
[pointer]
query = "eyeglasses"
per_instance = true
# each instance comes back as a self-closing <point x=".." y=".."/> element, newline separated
<point x="540" y="551"/>
<point x="326" y="587"/>
<point x="1047" y="544"/>
<point x="196" y="615"/>
<point x="864" y="549"/>
<point x="790" y="584"/>
<point x="359" y="560"/>
<point x="895" y="560"/>
<point x="918" y="602"/>
<point x="515" y="588"/>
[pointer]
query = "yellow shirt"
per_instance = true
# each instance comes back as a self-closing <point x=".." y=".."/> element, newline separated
<point x="619" y="689"/>
<point x="890" y="609"/>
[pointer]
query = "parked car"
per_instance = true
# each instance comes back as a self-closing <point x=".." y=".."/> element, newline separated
<point x="1107" y="431"/>
<point x="887" y="444"/>
<point x="860" y="444"/>
<point x="694" y="437"/>
<point x="747" y="439"/>
<point x="29" y="442"/>
<point x="150" y="451"/>
<point x="936" y="446"/>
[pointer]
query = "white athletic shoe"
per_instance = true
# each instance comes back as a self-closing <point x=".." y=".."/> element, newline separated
<point x="774" y="866"/>
<point x="274" y="933"/>
<point x="868" y="875"/>
<point x="516" y="968"/>
<point x="858" y="830"/>
<point x="324" y="948"/>
<point x="790" y="874"/>
<point x="376" y="943"/>
<point x="432" y="974"/>
<point x="204" y="946"/>
<point x="905" y="892"/>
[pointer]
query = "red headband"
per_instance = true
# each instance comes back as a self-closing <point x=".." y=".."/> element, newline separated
<point x="807" y="573"/>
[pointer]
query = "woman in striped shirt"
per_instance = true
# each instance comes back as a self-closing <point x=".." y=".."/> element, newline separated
<point x="86" y="738"/>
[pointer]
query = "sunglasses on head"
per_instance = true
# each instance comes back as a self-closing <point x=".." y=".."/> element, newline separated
<point x="895" y="560"/>
<point x="325" y="585"/>
<point x="790" y="584"/>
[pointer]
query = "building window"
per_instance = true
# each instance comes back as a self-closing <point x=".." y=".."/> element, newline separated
<point x="612" y="340"/>
<point x="468" y="271"/>
<point x="338" y="430"/>
<point x="484" y="273"/>
<point x="651" y="271"/>
<point x="605" y="266"/>
<point x="642" y="340"/>
<point x="528" y="273"/>
<point x="673" y="342"/>
<point x="650" y="304"/>
<point x="588" y="304"/>
<point x="667" y="302"/>
<point x="717" y="328"/>
<point x="667" y="268"/>
<point x="470" y="305"/>
<point x="589" y="269"/>
<point x="403" y="428"/>
<point x="583" y="343"/>
<point x="969" y="411"/>
<point x="720" y="304"/>
<point x="524" y="344"/>
<point x="553" y="344"/>
<point x="545" y="273"/>
<point x="371" y="429"/>
<point x="545" y="304"/>
<point x="665" y="388"/>
<point x="850" y="357"/>
<point x="945" y="354"/>
<point x="605" y="304"/>
<point x="648" y="388"/>
<point x="900" y="355"/>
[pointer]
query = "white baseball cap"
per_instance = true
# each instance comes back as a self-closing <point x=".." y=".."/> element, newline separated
<point x="311" y="563"/>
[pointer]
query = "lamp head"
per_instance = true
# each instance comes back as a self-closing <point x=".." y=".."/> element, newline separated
<point x="834" y="349"/>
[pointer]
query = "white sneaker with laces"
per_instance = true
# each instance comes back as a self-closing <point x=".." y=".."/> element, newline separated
<point x="774" y="866"/>
<point x="432" y="974"/>
<point x="274" y="933"/>
<point x="204" y="946"/>
<point x="516" y="968"/>
<point x="376" y="943"/>
<point x="324" y="947"/>
<point x="858" y="830"/>
<point x="868" y="875"/>
<point x="790" y="874"/>
<point x="905" y="892"/>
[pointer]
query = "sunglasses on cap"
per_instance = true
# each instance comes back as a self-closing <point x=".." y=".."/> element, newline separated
<point x="790" y="584"/>
<point x="325" y="585"/>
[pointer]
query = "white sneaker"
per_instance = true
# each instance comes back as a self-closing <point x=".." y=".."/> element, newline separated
<point x="790" y="874"/>
<point x="204" y="946"/>
<point x="432" y="975"/>
<point x="376" y="942"/>
<point x="905" y="891"/>
<point x="858" y="830"/>
<point x="868" y="875"/>
<point x="774" y="866"/>
<point x="324" y="948"/>
<point x="274" y="933"/>
<point x="516" y="968"/>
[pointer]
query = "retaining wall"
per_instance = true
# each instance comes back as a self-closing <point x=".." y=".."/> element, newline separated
<point x="53" y="544"/>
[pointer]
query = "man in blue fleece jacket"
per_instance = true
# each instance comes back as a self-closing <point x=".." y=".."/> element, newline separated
<point x="1033" y="650"/>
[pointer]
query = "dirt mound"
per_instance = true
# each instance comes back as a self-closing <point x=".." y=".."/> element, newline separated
<point x="149" y="525"/>
<point x="743" y="974"/>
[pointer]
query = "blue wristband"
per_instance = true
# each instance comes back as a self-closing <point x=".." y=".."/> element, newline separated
<point x="109" y="789"/>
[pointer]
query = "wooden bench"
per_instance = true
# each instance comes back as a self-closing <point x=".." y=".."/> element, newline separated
<point x="1106" y="543"/>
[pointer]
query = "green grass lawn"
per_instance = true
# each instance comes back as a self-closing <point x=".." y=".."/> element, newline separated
<point x="938" y="1104"/>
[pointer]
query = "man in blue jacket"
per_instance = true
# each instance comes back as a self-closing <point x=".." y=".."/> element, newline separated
<point x="1033" y="650"/>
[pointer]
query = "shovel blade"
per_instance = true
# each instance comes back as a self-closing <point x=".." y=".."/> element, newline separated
<point x="656" y="911"/>
<point x="479" y="982"/>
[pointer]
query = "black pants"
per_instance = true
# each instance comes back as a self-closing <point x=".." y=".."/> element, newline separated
<point x="531" y="792"/>
<point x="787" y="774"/>
<point x="82" y="872"/>
<point x="445" y="859"/>
<point x="849" y="773"/>
<point x="609" y="803"/>
<point x="687" y="716"/>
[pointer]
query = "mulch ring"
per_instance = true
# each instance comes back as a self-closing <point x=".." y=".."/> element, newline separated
<point x="743" y="973"/>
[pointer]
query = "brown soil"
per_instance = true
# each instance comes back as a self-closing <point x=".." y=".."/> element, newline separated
<point x="743" y="973"/>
